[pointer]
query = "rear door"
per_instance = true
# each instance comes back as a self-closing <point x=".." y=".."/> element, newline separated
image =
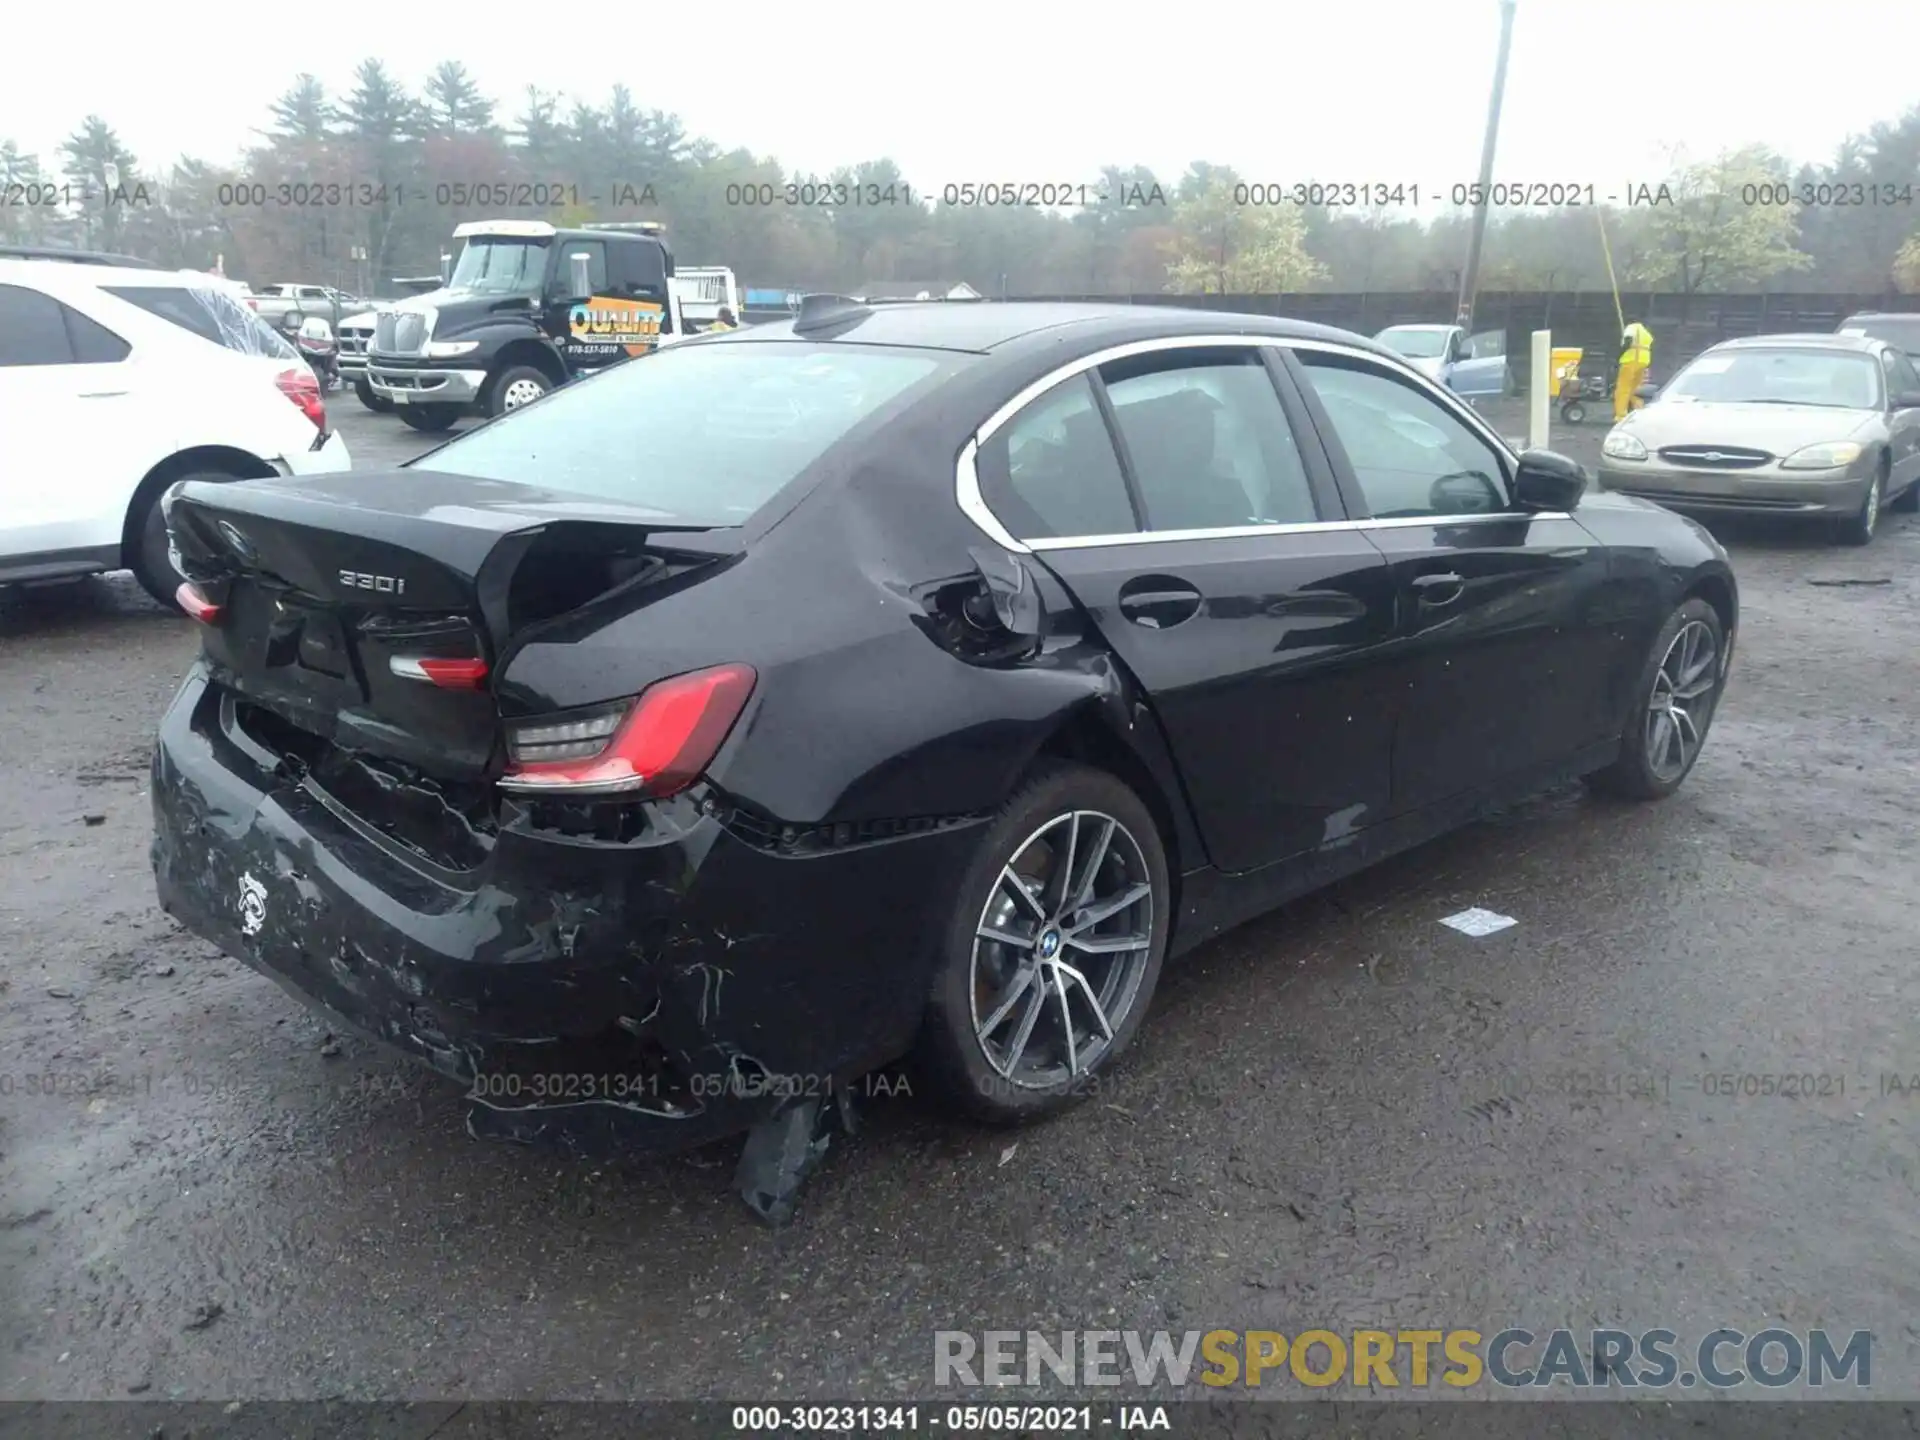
<point x="70" y="424"/>
<point x="1503" y="656"/>
<point x="1170" y="493"/>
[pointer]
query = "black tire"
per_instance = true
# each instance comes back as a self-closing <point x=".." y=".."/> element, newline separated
<point x="379" y="404"/>
<point x="1635" y="776"/>
<point x="1860" y="527"/>
<point x="430" y="419"/>
<point x="511" y="384"/>
<point x="950" y="1057"/>
<point x="147" y="552"/>
<point x="1573" y="412"/>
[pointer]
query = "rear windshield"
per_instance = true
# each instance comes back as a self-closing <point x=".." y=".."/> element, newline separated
<point x="702" y="434"/>
<point x="1900" y="331"/>
<point x="209" y="313"/>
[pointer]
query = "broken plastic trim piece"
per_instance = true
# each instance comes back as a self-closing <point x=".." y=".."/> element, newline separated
<point x="190" y="599"/>
<point x="784" y="1149"/>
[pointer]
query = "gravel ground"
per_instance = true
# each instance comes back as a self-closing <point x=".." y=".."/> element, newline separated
<point x="1344" y="1114"/>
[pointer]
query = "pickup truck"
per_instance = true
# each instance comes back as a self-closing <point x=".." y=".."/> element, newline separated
<point x="284" y="306"/>
<point x="1470" y="365"/>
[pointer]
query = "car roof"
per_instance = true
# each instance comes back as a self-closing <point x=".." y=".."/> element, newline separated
<point x="982" y="326"/>
<point x="39" y="274"/>
<point x="1913" y="315"/>
<point x="1420" y="327"/>
<point x="1813" y="340"/>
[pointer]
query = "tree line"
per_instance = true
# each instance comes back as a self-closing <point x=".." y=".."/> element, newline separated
<point x="358" y="188"/>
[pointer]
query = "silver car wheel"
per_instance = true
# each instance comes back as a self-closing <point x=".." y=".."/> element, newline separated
<point x="1060" y="950"/>
<point x="1682" y="697"/>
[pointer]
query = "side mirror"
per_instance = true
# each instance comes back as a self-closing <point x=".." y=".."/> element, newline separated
<point x="1548" y="480"/>
<point x="446" y="269"/>
<point x="1907" y="400"/>
<point x="580" y="272"/>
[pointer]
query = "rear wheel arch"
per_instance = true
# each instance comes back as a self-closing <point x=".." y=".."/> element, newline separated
<point x="1087" y="736"/>
<point x="223" y="459"/>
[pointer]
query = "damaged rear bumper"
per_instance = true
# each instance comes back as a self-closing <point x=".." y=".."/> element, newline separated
<point x="653" y="991"/>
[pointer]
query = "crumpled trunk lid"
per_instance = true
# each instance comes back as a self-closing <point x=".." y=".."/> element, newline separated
<point x="333" y="589"/>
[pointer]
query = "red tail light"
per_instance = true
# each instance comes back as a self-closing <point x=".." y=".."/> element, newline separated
<point x="667" y="737"/>
<point x="189" y="599"/>
<point x="447" y="674"/>
<point x="303" y="389"/>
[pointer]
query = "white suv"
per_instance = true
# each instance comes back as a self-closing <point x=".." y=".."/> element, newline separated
<point x="115" y="383"/>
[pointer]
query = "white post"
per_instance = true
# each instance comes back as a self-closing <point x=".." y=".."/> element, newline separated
<point x="1539" y="402"/>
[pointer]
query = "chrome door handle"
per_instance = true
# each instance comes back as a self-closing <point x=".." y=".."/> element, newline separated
<point x="1452" y="584"/>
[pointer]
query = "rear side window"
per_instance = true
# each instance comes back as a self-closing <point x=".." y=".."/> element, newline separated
<point x="211" y="314"/>
<point x="1209" y="442"/>
<point x="1051" y="471"/>
<point x="702" y="435"/>
<point x="36" y="329"/>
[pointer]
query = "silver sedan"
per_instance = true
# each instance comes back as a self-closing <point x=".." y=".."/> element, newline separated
<point x="1818" y="425"/>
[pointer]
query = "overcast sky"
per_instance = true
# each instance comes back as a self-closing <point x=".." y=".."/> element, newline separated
<point x="1358" y="90"/>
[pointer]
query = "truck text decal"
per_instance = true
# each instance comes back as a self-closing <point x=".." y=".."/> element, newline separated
<point x="609" y="320"/>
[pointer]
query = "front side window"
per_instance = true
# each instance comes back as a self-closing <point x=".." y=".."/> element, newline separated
<point x="596" y="254"/>
<point x="1208" y="441"/>
<point x="1411" y="456"/>
<point x="700" y="435"/>
<point x="1051" y="471"/>
<point x="1902" y="378"/>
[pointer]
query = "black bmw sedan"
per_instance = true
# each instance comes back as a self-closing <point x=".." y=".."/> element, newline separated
<point x="898" y="681"/>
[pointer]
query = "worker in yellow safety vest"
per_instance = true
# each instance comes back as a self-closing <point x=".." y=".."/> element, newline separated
<point x="1636" y="355"/>
<point x="723" y="321"/>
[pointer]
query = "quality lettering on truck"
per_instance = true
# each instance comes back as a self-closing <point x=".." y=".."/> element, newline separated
<point x="523" y="308"/>
<point x="634" y="325"/>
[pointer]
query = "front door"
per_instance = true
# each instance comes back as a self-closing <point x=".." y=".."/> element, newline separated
<point x="1503" y="654"/>
<point x="1168" y="493"/>
<point x="1479" y="368"/>
<point x="622" y="317"/>
<point x="1903" y="425"/>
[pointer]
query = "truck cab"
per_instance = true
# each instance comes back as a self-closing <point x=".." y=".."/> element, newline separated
<point x="1469" y="365"/>
<point x="525" y="307"/>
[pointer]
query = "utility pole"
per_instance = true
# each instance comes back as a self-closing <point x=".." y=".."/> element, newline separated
<point x="1470" y="281"/>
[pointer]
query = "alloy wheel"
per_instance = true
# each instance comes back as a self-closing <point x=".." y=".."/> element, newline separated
<point x="1681" y="701"/>
<point x="1060" y="949"/>
<point x="521" y="392"/>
